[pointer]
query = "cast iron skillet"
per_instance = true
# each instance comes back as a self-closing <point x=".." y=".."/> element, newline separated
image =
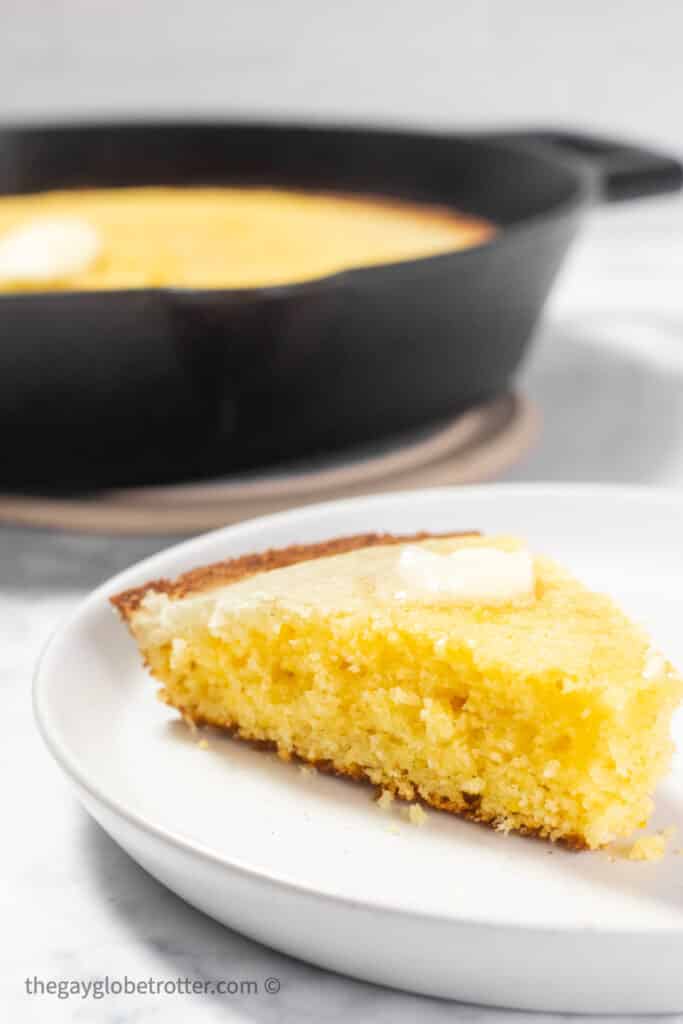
<point x="115" y="388"/>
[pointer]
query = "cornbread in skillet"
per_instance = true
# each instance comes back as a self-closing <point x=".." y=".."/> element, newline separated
<point x="544" y="711"/>
<point x="214" y="237"/>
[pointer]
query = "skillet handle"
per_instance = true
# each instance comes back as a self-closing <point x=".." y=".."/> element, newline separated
<point x="622" y="171"/>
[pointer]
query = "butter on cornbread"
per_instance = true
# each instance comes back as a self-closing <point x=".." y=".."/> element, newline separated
<point x="457" y="669"/>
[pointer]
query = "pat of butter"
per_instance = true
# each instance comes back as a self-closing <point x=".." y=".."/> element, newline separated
<point x="479" y="574"/>
<point x="48" y="249"/>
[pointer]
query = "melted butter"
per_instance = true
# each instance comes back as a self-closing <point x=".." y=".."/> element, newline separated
<point x="371" y="577"/>
<point x="47" y="249"/>
<point x="485" y="575"/>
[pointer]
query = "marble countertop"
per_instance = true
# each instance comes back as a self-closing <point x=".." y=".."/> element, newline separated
<point x="607" y="372"/>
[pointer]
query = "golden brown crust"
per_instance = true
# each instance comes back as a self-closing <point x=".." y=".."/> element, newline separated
<point x="477" y="229"/>
<point x="469" y="809"/>
<point x="219" y="574"/>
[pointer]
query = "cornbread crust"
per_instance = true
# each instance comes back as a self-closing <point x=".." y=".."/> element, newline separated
<point x="469" y="810"/>
<point x="218" y="574"/>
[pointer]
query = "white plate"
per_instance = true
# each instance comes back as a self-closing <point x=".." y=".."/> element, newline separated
<point x="309" y="865"/>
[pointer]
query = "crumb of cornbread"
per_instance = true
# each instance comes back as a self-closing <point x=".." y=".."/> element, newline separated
<point x="416" y="815"/>
<point x="548" y="716"/>
<point x="413" y="813"/>
<point x="187" y="718"/>
<point x="385" y="800"/>
<point x="203" y="744"/>
<point x="652" y="847"/>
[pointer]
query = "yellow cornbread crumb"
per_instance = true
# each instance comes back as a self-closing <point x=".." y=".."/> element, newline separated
<point x="203" y="744"/>
<point x="652" y="847"/>
<point x="416" y="815"/>
<point x="385" y="800"/>
<point x="188" y="720"/>
<point x="545" y="715"/>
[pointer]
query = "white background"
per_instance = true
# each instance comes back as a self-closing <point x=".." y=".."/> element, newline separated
<point x="613" y="65"/>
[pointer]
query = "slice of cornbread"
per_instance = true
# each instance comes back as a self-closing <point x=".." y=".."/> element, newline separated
<point x="547" y="713"/>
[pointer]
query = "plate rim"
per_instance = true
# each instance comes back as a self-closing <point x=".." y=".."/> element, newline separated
<point x="664" y="496"/>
